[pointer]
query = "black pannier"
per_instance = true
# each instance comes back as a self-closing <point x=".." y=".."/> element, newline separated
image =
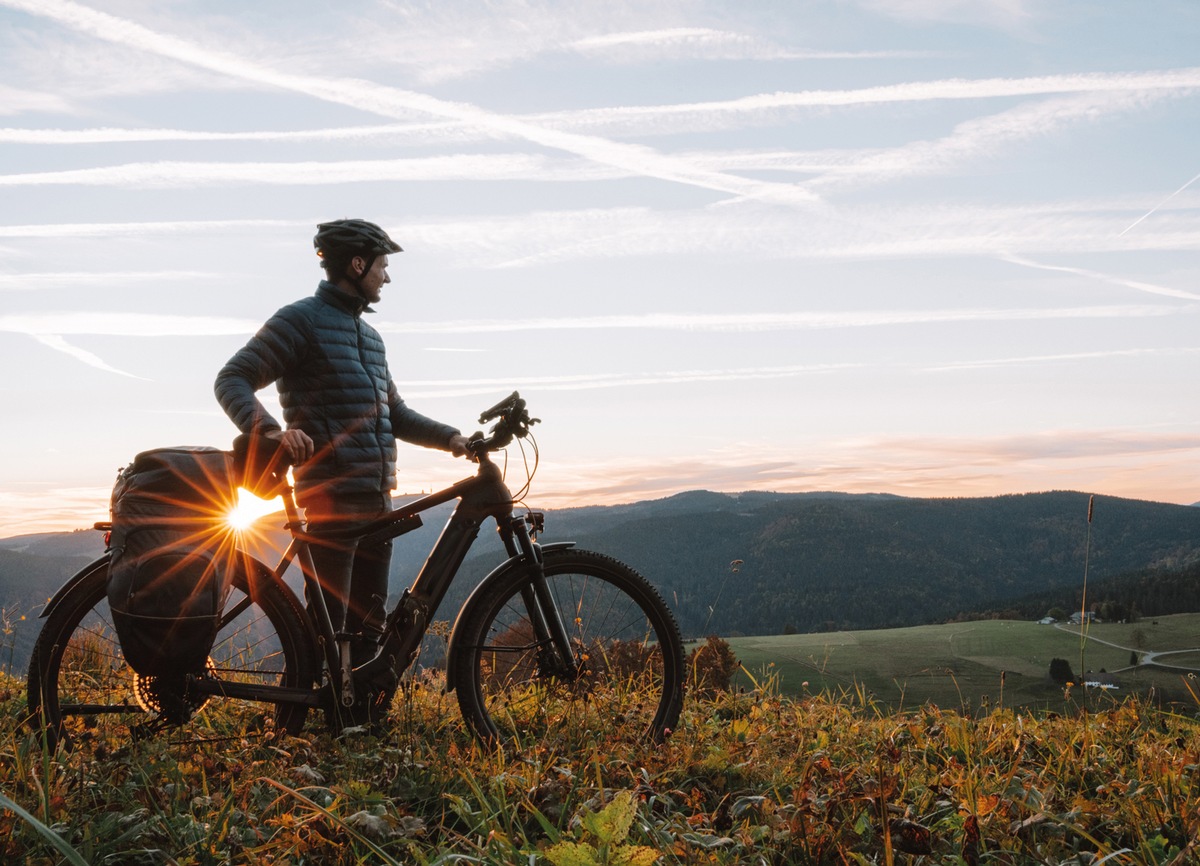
<point x="172" y="557"/>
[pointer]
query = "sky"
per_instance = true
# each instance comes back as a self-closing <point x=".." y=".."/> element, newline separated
<point x="921" y="247"/>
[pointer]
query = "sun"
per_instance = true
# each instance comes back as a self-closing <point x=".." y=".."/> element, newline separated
<point x="250" y="508"/>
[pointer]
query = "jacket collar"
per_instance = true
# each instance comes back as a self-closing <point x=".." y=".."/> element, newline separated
<point x="352" y="304"/>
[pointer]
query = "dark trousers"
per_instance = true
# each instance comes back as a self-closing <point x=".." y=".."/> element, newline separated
<point x="353" y="576"/>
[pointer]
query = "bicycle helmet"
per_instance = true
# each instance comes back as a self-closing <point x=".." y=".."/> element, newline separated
<point x="341" y="240"/>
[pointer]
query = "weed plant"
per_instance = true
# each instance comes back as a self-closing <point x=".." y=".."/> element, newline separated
<point x="748" y="777"/>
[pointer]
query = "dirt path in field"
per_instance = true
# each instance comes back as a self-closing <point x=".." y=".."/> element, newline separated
<point x="1145" y="657"/>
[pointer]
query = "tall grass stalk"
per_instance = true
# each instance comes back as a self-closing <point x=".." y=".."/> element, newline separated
<point x="45" y="832"/>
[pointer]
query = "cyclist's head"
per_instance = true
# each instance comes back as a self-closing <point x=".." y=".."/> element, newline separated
<point x="337" y="243"/>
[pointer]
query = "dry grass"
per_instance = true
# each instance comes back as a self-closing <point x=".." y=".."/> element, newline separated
<point x="751" y="777"/>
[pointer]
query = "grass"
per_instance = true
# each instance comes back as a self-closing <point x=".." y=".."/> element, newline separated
<point x="749" y="776"/>
<point x="973" y="664"/>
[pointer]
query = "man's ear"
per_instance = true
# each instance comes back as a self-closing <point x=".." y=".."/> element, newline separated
<point x="358" y="265"/>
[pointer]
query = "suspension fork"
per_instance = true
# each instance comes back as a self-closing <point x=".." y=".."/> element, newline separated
<point x="555" y="653"/>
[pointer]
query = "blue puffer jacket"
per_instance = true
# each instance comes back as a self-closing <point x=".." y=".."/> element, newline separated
<point x="334" y="384"/>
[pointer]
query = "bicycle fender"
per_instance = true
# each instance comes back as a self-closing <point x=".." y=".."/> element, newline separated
<point x="66" y="588"/>
<point x="500" y="569"/>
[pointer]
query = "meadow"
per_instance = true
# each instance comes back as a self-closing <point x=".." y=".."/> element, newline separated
<point x="967" y="665"/>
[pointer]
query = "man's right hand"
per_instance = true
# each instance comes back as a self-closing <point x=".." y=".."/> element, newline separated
<point x="296" y="442"/>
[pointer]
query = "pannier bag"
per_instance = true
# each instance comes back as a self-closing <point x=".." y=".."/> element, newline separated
<point x="172" y="557"/>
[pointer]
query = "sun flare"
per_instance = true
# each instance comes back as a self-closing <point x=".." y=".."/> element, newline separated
<point x="250" y="508"/>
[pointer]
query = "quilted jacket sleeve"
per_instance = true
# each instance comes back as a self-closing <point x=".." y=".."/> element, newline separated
<point x="410" y="425"/>
<point x="277" y="347"/>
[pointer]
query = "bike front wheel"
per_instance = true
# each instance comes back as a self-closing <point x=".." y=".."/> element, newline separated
<point x="82" y="691"/>
<point x="626" y="669"/>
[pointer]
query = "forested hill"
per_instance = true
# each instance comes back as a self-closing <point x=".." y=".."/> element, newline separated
<point x="808" y="562"/>
<point x="821" y="561"/>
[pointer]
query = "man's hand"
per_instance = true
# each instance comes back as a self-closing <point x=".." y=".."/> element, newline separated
<point x="296" y="442"/>
<point x="458" y="445"/>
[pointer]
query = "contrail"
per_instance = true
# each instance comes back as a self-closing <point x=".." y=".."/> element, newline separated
<point x="87" y="279"/>
<point x="1160" y="204"/>
<point x="1117" y="281"/>
<point x="57" y="343"/>
<point x="399" y="104"/>
<point x="131" y="324"/>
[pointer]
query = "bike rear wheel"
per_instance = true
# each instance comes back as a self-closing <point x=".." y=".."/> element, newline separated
<point x="628" y="669"/>
<point x="81" y="690"/>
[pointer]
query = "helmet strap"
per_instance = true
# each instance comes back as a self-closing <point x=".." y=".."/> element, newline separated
<point x="354" y="279"/>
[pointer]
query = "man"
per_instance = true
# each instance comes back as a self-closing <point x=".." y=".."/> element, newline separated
<point x="342" y="413"/>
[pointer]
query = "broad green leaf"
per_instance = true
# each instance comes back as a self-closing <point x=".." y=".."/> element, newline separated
<point x="611" y="824"/>
<point x="573" y="854"/>
<point x="634" y="855"/>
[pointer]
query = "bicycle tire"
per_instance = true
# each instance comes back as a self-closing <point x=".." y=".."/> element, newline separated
<point x="80" y="689"/>
<point x="631" y="673"/>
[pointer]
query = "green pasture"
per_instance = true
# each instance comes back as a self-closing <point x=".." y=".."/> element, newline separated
<point x="977" y="664"/>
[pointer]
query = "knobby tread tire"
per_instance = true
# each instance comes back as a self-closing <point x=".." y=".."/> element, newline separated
<point x="77" y="665"/>
<point x="632" y="672"/>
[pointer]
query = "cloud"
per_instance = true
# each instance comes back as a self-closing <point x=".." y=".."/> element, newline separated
<point x="57" y="343"/>
<point x="984" y="137"/>
<point x="717" y="114"/>
<point x="1052" y="444"/>
<point x="484" y="167"/>
<point x="587" y="382"/>
<point x="981" y="137"/>
<point x="107" y="323"/>
<point x="1121" y="462"/>
<point x="1004" y="13"/>
<point x="414" y="133"/>
<point x="1137" y="285"/>
<point x="140" y="229"/>
<point x="452" y="40"/>
<point x="69" y="279"/>
<point x="402" y="104"/>
<point x="124" y="324"/>
<point x="704" y="43"/>
<point x="843" y="232"/>
<point x="772" y="321"/>
<point x="690" y="38"/>
<point x="1039" y="360"/>
<point x="53" y="508"/>
<point x="51" y="60"/>
<point x="418" y="389"/>
<point x="14" y="100"/>
<point x="744" y="228"/>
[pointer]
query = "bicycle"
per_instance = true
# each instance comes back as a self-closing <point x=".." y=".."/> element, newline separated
<point x="552" y="633"/>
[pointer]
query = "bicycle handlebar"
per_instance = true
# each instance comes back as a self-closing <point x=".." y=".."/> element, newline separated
<point x="513" y="423"/>
<point x="506" y="405"/>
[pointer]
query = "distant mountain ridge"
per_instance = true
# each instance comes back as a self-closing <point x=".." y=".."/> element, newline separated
<point x="805" y="561"/>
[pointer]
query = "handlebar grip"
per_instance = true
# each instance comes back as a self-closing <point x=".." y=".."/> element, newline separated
<point x="507" y="404"/>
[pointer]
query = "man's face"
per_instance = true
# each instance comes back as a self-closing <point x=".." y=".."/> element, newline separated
<point x="374" y="279"/>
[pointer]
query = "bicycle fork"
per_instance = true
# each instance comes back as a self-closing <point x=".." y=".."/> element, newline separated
<point x="555" y="653"/>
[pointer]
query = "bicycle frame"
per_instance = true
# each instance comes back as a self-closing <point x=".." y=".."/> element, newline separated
<point x="613" y="638"/>
<point x="480" y="496"/>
